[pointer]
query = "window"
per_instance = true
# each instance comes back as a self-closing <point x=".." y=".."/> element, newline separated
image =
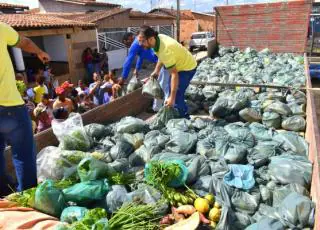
<point x="198" y="36"/>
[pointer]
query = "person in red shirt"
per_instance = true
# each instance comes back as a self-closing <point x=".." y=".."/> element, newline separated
<point x="87" y="59"/>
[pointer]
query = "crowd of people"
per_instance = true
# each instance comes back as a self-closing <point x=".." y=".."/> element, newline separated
<point x="49" y="100"/>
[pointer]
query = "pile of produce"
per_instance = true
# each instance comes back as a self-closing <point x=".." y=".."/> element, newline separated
<point x="237" y="171"/>
<point x="279" y="109"/>
<point x="252" y="67"/>
<point x="200" y="173"/>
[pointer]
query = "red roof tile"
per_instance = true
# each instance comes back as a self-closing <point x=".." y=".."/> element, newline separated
<point x="90" y="3"/>
<point x="139" y="14"/>
<point x="8" y="5"/>
<point x="184" y="14"/>
<point x="40" y="21"/>
<point x="91" y="17"/>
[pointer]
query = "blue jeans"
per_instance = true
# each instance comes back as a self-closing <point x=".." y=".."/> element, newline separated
<point x="16" y="130"/>
<point x="184" y="80"/>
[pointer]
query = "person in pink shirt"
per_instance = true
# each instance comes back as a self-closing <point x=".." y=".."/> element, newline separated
<point x="42" y="116"/>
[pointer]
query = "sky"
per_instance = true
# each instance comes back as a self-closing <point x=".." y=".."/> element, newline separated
<point x="145" y="5"/>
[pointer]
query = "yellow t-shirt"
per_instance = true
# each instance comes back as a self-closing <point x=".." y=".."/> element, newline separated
<point x="171" y="53"/>
<point x="39" y="91"/>
<point x="9" y="94"/>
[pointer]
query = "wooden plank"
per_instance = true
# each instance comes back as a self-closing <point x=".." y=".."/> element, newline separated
<point x="129" y="105"/>
<point x="313" y="138"/>
<point x="244" y="85"/>
<point x="46" y="32"/>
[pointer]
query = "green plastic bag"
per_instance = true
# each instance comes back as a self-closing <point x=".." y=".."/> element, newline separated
<point x="87" y="192"/>
<point x="93" y="169"/>
<point x="73" y="214"/>
<point x="49" y="199"/>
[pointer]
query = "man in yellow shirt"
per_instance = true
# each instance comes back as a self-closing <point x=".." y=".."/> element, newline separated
<point x="15" y="123"/>
<point x="174" y="57"/>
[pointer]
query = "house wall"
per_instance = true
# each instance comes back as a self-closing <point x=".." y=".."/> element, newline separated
<point x="205" y="23"/>
<point x="77" y="43"/>
<point x="123" y="21"/>
<point x="53" y="6"/>
<point x="187" y="27"/>
<point x="281" y="27"/>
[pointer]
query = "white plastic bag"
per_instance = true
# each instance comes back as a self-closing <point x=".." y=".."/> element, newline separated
<point x="46" y="164"/>
<point x="71" y="134"/>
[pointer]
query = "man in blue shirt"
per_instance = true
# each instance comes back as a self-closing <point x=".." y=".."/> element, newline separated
<point x="137" y="50"/>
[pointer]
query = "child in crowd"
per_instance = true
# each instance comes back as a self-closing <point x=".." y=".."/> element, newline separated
<point x="85" y="103"/>
<point x="47" y="102"/>
<point x="40" y="89"/>
<point x="42" y="118"/>
<point x="82" y="88"/>
<point x="60" y="114"/>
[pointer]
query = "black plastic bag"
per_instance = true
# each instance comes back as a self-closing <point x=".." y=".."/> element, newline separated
<point x="181" y="142"/>
<point x="152" y="88"/>
<point x="116" y="197"/>
<point x="266" y="223"/>
<point x="271" y="120"/>
<point x="246" y="202"/>
<point x="133" y="84"/>
<point x="260" y="154"/>
<point x="291" y="141"/>
<point x="164" y="115"/>
<point x="261" y="132"/>
<point x="131" y="125"/>
<point x="122" y="149"/>
<point x="280" y="193"/>
<point x="286" y="169"/>
<point x="297" y="211"/>
<point x="97" y="131"/>
<point x="294" y="123"/>
<point x="93" y="169"/>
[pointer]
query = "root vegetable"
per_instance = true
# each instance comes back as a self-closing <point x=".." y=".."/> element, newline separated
<point x="203" y="219"/>
<point x="186" y="210"/>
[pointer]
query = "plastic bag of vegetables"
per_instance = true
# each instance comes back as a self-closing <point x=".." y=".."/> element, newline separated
<point x="92" y="169"/>
<point x="169" y="173"/>
<point x="163" y="116"/>
<point x="86" y="192"/>
<point x="152" y="88"/>
<point x="134" y="84"/>
<point x="73" y="214"/>
<point x="71" y="134"/>
<point x="49" y="199"/>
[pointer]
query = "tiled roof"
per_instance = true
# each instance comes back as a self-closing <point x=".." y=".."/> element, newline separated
<point x="90" y="3"/>
<point x="184" y="14"/>
<point x="7" y="5"/>
<point x="40" y="21"/>
<point x="92" y="17"/>
<point x="139" y="14"/>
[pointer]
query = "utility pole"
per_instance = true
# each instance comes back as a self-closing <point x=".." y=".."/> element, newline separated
<point x="178" y="20"/>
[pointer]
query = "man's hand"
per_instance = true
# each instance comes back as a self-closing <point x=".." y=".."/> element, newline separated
<point x="44" y="57"/>
<point x="170" y="102"/>
<point x="135" y="73"/>
<point x="154" y="75"/>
